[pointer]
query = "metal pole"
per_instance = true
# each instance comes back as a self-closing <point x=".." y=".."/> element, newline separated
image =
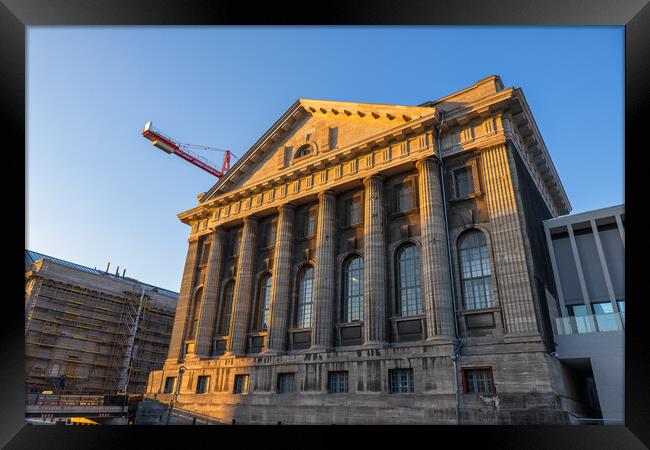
<point x="181" y="369"/>
<point x="457" y="347"/>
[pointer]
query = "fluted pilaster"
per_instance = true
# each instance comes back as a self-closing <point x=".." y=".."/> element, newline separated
<point x="282" y="254"/>
<point x="210" y="293"/>
<point x="178" y="331"/>
<point x="324" y="272"/>
<point x="438" y="301"/>
<point x="243" y="297"/>
<point x="514" y="283"/>
<point x="374" y="263"/>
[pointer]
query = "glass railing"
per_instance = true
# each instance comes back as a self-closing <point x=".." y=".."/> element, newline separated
<point x="590" y="324"/>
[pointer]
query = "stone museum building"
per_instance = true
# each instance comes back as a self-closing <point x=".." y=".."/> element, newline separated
<point x="369" y="264"/>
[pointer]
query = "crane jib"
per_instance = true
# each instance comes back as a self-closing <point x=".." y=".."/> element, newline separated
<point x="171" y="147"/>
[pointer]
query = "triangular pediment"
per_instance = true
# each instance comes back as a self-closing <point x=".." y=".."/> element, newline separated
<point x="318" y="127"/>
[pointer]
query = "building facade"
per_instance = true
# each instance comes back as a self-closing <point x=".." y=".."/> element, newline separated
<point x="588" y="259"/>
<point x="89" y="332"/>
<point x="367" y="263"/>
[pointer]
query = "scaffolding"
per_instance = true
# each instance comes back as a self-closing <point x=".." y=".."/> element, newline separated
<point x="82" y="341"/>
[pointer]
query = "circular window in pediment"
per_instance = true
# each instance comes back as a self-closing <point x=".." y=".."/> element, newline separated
<point x="303" y="151"/>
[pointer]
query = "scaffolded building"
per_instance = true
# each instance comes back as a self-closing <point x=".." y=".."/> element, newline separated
<point x="90" y="332"/>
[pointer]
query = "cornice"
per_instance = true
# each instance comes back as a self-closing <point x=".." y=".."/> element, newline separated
<point x="309" y="106"/>
<point x="505" y="102"/>
<point x="328" y="160"/>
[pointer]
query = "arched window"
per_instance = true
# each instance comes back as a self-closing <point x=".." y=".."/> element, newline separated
<point x="303" y="151"/>
<point x="475" y="273"/>
<point x="263" y="303"/>
<point x="353" y="289"/>
<point x="226" y="308"/>
<point x="194" y="318"/>
<point x="305" y="291"/>
<point x="408" y="280"/>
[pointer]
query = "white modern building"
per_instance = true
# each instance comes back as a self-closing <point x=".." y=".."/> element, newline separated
<point x="587" y="253"/>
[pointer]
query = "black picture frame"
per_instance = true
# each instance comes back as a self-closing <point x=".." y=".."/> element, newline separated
<point x="16" y="15"/>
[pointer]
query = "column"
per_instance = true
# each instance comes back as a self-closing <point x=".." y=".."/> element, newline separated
<point x="374" y="261"/>
<point x="282" y="253"/>
<point x="324" y="272"/>
<point x="243" y="297"/>
<point x="178" y="331"/>
<point x="511" y="274"/>
<point x="436" y="284"/>
<point x="211" y="289"/>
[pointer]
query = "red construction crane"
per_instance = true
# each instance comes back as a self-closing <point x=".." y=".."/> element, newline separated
<point x="169" y="146"/>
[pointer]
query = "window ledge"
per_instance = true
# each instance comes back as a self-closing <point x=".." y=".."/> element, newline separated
<point x="299" y="159"/>
<point x="352" y="227"/>
<point x="405" y="212"/>
<point x="467" y="312"/>
<point x="349" y="324"/>
<point x="403" y="318"/>
<point x="258" y="333"/>
<point x="466" y="197"/>
<point x="298" y="330"/>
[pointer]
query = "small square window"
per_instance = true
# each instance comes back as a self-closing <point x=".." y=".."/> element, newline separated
<point x="202" y="384"/>
<point x="463" y="182"/>
<point x="478" y="381"/>
<point x="337" y="382"/>
<point x="401" y="381"/>
<point x="241" y="384"/>
<point x="169" y="385"/>
<point x="285" y="383"/>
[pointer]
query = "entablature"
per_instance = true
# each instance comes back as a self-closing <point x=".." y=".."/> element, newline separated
<point x="383" y="150"/>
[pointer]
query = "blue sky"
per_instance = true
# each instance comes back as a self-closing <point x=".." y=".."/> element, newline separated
<point x="97" y="191"/>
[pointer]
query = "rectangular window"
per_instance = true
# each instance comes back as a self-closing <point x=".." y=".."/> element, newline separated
<point x="479" y="381"/>
<point x="337" y="382"/>
<point x="401" y="381"/>
<point x="463" y="182"/>
<point x="270" y="230"/>
<point x="169" y="385"/>
<point x="202" y="384"/>
<point x="621" y="307"/>
<point x="580" y="318"/>
<point x="404" y="196"/>
<point x="333" y="137"/>
<point x="236" y="243"/>
<point x="241" y="384"/>
<point x="352" y="211"/>
<point x="205" y="252"/>
<point x="308" y="222"/>
<point x="605" y="318"/>
<point x="285" y="383"/>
